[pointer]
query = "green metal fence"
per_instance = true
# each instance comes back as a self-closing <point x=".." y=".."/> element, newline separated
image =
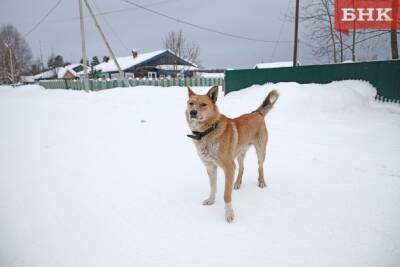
<point x="101" y="84"/>
<point x="384" y="75"/>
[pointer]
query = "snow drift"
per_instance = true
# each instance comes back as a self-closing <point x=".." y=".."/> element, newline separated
<point x="312" y="99"/>
<point x="110" y="179"/>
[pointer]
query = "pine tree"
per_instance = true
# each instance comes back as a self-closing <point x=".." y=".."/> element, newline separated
<point x="55" y="61"/>
<point x="106" y="59"/>
<point x="95" y="61"/>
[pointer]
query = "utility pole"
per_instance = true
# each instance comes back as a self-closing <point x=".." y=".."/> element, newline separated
<point x="121" y="74"/>
<point x="393" y="31"/>
<point x="84" y="57"/>
<point x="296" y="35"/>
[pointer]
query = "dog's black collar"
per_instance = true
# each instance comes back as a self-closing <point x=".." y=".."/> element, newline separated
<point x="199" y="135"/>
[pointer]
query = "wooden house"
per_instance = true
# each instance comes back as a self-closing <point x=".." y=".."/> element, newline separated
<point x="152" y="65"/>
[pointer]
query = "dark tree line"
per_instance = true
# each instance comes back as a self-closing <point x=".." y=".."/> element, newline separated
<point x="16" y="58"/>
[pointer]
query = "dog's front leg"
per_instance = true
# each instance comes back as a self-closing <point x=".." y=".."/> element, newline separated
<point x="212" y="174"/>
<point x="229" y="170"/>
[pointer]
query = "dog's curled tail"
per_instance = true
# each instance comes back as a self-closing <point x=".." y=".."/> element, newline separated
<point x="268" y="102"/>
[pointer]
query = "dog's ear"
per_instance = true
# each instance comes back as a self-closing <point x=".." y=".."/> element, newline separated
<point x="190" y="92"/>
<point x="213" y="93"/>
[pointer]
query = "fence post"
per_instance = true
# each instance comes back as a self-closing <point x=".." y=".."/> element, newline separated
<point x="99" y="84"/>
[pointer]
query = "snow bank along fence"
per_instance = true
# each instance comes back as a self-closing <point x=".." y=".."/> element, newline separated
<point x="384" y="75"/>
<point x="101" y="84"/>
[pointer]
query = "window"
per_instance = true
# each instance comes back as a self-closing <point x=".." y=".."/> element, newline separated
<point x="152" y="75"/>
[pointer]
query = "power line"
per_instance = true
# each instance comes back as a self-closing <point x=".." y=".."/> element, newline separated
<point x="43" y="18"/>
<point x="111" y="28"/>
<point x="280" y="32"/>
<point x="370" y="37"/>
<point x="121" y="74"/>
<point x="121" y="10"/>
<point x="202" y="27"/>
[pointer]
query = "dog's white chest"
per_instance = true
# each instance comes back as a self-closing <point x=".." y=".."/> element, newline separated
<point x="208" y="152"/>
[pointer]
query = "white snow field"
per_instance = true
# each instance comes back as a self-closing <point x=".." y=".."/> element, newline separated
<point x="110" y="179"/>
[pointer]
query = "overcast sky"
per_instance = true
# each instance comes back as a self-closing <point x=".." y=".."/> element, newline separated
<point x="136" y="28"/>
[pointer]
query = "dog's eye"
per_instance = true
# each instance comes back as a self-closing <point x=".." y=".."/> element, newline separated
<point x="203" y="104"/>
<point x="191" y="103"/>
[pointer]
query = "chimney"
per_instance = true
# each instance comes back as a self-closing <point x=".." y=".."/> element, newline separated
<point x="134" y="53"/>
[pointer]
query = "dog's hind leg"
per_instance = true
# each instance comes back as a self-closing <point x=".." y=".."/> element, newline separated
<point x="238" y="181"/>
<point x="212" y="174"/>
<point x="260" y="146"/>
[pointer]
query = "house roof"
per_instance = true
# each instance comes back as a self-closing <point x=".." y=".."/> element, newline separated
<point x="57" y="72"/>
<point x="62" y="71"/>
<point x="129" y="61"/>
<point x="48" y="74"/>
<point x="271" y="65"/>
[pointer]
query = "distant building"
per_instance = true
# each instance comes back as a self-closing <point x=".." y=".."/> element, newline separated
<point x="209" y="73"/>
<point x="152" y="65"/>
<point x="272" y="65"/>
<point x="27" y="79"/>
<point x="68" y="72"/>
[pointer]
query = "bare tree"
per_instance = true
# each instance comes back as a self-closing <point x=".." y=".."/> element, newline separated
<point x="15" y="54"/>
<point x="177" y="43"/>
<point x="55" y="61"/>
<point x="36" y="67"/>
<point x="325" y="42"/>
<point x="192" y="53"/>
<point x="336" y="46"/>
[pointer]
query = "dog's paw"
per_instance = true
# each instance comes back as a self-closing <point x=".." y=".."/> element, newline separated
<point x="236" y="186"/>
<point x="229" y="215"/>
<point x="262" y="184"/>
<point x="208" y="201"/>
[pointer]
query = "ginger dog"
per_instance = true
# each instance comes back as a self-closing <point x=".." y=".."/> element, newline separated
<point x="220" y="140"/>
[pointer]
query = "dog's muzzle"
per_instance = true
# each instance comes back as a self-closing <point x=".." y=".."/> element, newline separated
<point x="193" y="114"/>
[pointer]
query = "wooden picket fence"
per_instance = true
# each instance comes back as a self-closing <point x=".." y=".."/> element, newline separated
<point x="391" y="101"/>
<point x="101" y="84"/>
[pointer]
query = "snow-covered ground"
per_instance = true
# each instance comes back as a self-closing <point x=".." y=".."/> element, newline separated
<point x="110" y="179"/>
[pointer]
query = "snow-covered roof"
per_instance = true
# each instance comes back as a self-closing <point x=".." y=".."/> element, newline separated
<point x="61" y="71"/>
<point x="57" y="72"/>
<point x="271" y="65"/>
<point x="126" y="62"/>
<point x="48" y="74"/>
<point x="73" y="66"/>
<point x="129" y="61"/>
